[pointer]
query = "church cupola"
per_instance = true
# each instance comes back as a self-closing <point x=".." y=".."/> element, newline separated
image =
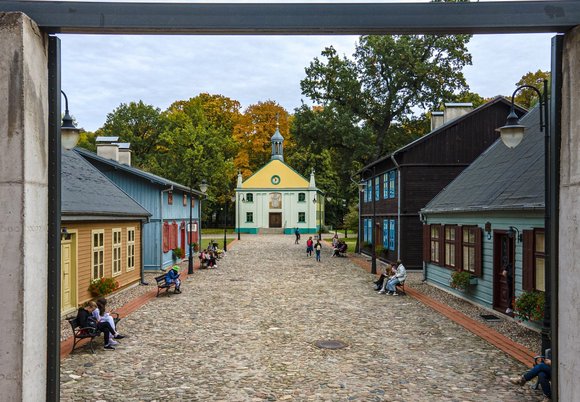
<point x="277" y="145"/>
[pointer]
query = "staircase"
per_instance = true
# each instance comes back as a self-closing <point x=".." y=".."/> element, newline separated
<point x="265" y="231"/>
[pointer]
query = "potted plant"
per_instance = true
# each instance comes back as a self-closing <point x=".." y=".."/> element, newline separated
<point x="530" y="306"/>
<point x="461" y="280"/>
<point x="195" y="246"/>
<point x="102" y="286"/>
<point x="177" y="253"/>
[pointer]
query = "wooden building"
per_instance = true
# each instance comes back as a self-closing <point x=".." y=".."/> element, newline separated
<point x="490" y="216"/>
<point x="403" y="182"/>
<point x="101" y="232"/>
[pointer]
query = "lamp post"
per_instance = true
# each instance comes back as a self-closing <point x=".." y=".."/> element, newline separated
<point x="237" y="221"/>
<point x="225" y="224"/>
<point x="365" y="175"/>
<point x="203" y="188"/>
<point x="511" y="135"/>
<point x="318" y="216"/>
<point x="69" y="133"/>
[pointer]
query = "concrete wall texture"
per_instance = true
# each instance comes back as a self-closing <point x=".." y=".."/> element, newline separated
<point x="24" y="201"/>
<point x="569" y="220"/>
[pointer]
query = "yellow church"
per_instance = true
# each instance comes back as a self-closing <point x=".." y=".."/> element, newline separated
<point x="277" y="199"/>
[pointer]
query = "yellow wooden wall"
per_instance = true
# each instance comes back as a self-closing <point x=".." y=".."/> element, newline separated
<point x="84" y="247"/>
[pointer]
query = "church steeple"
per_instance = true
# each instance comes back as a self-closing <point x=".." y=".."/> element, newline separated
<point x="277" y="143"/>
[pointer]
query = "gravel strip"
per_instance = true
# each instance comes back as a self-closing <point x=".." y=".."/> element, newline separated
<point x="506" y="326"/>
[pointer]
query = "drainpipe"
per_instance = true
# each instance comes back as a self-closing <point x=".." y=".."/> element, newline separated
<point x="161" y="222"/>
<point x="398" y="205"/>
<point x="142" y="260"/>
<point x="424" y="221"/>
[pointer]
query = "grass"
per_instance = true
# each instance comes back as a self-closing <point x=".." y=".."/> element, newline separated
<point x="218" y="231"/>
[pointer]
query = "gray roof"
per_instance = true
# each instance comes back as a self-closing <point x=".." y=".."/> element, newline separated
<point x="277" y="136"/>
<point x="501" y="178"/>
<point x="86" y="192"/>
<point x="137" y="172"/>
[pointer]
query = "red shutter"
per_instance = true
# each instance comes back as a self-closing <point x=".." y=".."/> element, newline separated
<point x="426" y="243"/>
<point x="166" y="237"/>
<point x="528" y="260"/>
<point x="174" y="232"/>
<point x="458" y="248"/>
<point x="478" y="251"/>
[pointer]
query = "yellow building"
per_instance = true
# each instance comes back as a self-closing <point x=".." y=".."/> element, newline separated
<point x="277" y="199"/>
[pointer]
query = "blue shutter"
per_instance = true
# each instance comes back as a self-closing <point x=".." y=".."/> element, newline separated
<point x="392" y="235"/>
<point x="377" y="188"/>
<point x="385" y="233"/>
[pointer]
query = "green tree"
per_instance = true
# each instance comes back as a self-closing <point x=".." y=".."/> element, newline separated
<point x="528" y="97"/>
<point x="387" y="77"/>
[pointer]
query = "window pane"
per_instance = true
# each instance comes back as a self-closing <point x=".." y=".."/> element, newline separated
<point x="540" y="278"/>
<point x="540" y="242"/>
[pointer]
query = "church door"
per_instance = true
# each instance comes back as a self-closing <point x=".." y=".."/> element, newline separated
<point x="275" y="219"/>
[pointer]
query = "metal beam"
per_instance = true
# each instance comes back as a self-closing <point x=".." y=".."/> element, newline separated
<point x="300" y="18"/>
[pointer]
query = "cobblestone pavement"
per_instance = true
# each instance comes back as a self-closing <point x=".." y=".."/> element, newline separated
<point x="247" y="331"/>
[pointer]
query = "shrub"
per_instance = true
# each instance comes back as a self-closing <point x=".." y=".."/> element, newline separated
<point x="177" y="253"/>
<point x="460" y="280"/>
<point x="195" y="246"/>
<point x="103" y="286"/>
<point x="530" y="306"/>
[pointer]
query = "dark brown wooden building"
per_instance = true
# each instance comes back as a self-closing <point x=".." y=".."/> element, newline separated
<point x="403" y="182"/>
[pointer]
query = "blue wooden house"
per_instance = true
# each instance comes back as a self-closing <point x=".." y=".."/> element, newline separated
<point x="167" y="201"/>
<point x="491" y="215"/>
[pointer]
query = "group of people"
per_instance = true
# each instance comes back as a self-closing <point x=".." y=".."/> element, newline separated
<point x="338" y="247"/>
<point x="209" y="257"/>
<point x="390" y="277"/>
<point x="95" y="315"/>
<point x="313" y="247"/>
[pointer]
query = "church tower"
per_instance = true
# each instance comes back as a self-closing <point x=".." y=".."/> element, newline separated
<point x="277" y="145"/>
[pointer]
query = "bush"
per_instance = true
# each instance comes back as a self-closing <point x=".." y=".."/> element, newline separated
<point x="460" y="280"/>
<point x="530" y="306"/>
<point x="195" y="246"/>
<point x="103" y="286"/>
<point x="177" y="253"/>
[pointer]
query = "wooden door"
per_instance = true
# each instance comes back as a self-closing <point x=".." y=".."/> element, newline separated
<point x="503" y="253"/>
<point x="275" y="220"/>
<point x="67" y="276"/>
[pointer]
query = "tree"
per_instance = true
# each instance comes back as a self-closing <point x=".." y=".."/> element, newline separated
<point x="138" y="124"/>
<point x="528" y="97"/>
<point x="388" y="77"/>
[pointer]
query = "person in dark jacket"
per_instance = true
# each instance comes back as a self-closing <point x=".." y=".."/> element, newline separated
<point x="85" y="314"/>
<point x="172" y="276"/>
<point x="508" y="273"/>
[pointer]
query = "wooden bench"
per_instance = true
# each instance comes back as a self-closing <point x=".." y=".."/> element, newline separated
<point x="400" y="288"/>
<point x="86" y="333"/>
<point x="162" y="284"/>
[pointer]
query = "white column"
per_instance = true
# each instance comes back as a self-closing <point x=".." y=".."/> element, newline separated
<point x="24" y="212"/>
<point x="569" y="221"/>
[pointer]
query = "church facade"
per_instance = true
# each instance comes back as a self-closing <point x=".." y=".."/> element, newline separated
<point x="277" y="199"/>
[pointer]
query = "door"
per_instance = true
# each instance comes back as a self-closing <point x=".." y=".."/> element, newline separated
<point x="67" y="276"/>
<point x="503" y="254"/>
<point x="275" y="219"/>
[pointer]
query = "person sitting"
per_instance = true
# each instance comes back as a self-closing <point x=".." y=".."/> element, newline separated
<point x="399" y="277"/>
<point x="172" y="276"/>
<point x="388" y="271"/>
<point x="101" y="314"/>
<point x="85" y="319"/>
<point x="335" y="241"/>
<point x="542" y="370"/>
<point x="339" y="249"/>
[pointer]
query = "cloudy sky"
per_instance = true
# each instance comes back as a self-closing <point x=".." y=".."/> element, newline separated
<point x="99" y="72"/>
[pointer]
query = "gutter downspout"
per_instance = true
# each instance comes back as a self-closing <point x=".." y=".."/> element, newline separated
<point x="142" y="261"/>
<point x="398" y="205"/>
<point x="161" y="223"/>
<point x="423" y="221"/>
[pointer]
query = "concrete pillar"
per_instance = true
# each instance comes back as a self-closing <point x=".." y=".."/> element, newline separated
<point x="569" y="220"/>
<point x="24" y="200"/>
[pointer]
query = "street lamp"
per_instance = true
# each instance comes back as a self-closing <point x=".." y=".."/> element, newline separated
<point x="367" y="174"/>
<point x="318" y="217"/>
<point x="68" y="132"/>
<point x="203" y="188"/>
<point x="511" y="135"/>
<point x="237" y="210"/>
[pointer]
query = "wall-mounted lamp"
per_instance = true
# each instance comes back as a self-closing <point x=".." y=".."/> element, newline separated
<point x="512" y="231"/>
<point x="68" y="132"/>
<point x="64" y="234"/>
<point x="487" y="230"/>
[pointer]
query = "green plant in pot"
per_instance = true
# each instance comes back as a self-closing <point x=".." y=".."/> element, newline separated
<point x="102" y="286"/>
<point x="177" y="253"/>
<point x="530" y="306"/>
<point x="195" y="246"/>
<point x="460" y="280"/>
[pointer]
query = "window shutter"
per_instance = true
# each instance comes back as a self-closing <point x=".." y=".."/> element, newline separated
<point x="426" y="243"/>
<point x="528" y="260"/>
<point x="458" y="248"/>
<point x="165" y="237"/>
<point x="478" y="251"/>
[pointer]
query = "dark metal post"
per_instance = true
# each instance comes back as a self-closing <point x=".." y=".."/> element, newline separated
<point x="225" y="225"/>
<point x="359" y="221"/>
<point x="54" y="212"/>
<point x="547" y="218"/>
<point x="189" y="231"/>
<point x="374" y="251"/>
<point x="238" y="214"/>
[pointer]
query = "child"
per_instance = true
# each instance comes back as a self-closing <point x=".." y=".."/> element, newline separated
<point x="172" y="276"/>
<point x="309" y="246"/>
<point x="318" y="247"/>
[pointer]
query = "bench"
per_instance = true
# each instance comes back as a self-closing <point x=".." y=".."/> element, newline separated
<point x="162" y="284"/>
<point x="400" y="287"/>
<point x="86" y="333"/>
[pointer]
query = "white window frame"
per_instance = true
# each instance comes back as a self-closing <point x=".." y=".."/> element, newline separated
<point x="100" y="249"/>
<point x="116" y="252"/>
<point x="130" y="249"/>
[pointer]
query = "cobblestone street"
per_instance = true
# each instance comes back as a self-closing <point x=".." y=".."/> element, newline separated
<point x="247" y="331"/>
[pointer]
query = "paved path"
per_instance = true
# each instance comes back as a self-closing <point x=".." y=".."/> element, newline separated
<point x="246" y="332"/>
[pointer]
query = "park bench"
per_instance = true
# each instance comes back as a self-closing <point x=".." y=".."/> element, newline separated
<point x="400" y="287"/>
<point x="90" y="333"/>
<point x="162" y="284"/>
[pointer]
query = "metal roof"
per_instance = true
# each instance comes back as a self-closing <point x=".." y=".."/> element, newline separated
<point x="86" y="192"/>
<point x="501" y="178"/>
<point x="137" y="172"/>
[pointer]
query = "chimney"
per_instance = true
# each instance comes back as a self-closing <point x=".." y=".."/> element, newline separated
<point x="107" y="147"/>
<point x="455" y="110"/>
<point x="436" y="120"/>
<point x="124" y="152"/>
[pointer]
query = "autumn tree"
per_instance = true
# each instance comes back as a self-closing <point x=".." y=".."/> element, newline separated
<point x="388" y="77"/>
<point x="527" y="97"/>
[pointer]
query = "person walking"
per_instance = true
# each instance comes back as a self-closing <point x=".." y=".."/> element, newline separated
<point x="318" y="249"/>
<point x="297" y="234"/>
<point x="309" y="247"/>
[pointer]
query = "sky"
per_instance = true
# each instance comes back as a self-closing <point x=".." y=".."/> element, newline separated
<point x="99" y="72"/>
